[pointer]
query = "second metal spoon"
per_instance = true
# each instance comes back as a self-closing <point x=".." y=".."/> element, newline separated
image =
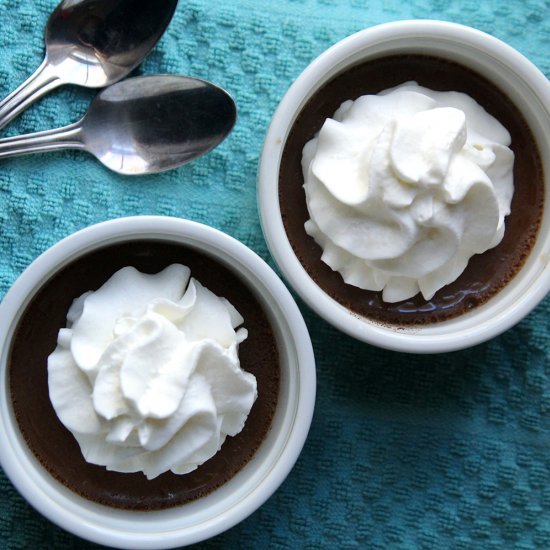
<point x="92" y="43"/>
<point x="142" y="125"/>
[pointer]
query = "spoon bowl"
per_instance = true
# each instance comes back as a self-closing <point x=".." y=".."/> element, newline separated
<point x="142" y="125"/>
<point x="92" y="43"/>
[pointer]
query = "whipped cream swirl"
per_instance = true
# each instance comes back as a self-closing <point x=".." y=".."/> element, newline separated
<point x="147" y="376"/>
<point x="404" y="187"/>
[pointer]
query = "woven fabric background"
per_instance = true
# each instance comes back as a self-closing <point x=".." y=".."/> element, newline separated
<point x="445" y="451"/>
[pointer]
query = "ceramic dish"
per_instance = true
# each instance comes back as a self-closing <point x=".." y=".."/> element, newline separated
<point x="251" y="486"/>
<point x="501" y="66"/>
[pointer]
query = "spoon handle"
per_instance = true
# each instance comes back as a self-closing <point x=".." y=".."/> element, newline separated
<point x="41" y="82"/>
<point x="68" y="137"/>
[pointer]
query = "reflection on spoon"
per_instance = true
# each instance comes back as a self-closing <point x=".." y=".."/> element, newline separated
<point x="142" y="125"/>
<point x="92" y="43"/>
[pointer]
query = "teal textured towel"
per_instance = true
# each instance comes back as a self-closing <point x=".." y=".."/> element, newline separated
<point x="445" y="451"/>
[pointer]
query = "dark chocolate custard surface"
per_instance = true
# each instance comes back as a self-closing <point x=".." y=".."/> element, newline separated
<point x="486" y="273"/>
<point x="56" y="448"/>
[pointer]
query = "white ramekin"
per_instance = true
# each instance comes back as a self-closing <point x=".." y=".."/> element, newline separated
<point x="525" y="85"/>
<point x="240" y="496"/>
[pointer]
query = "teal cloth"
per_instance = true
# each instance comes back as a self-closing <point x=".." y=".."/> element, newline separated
<point x="444" y="451"/>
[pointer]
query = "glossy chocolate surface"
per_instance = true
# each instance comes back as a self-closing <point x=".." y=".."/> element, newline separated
<point x="54" y="445"/>
<point x="486" y="273"/>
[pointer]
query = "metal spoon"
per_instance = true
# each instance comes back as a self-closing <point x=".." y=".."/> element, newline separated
<point x="142" y="125"/>
<point x="92" y="43"/>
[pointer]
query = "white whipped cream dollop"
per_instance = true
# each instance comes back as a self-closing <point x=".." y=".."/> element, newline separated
<point x="403" y="187"/>
<point x="147" y="376"/>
